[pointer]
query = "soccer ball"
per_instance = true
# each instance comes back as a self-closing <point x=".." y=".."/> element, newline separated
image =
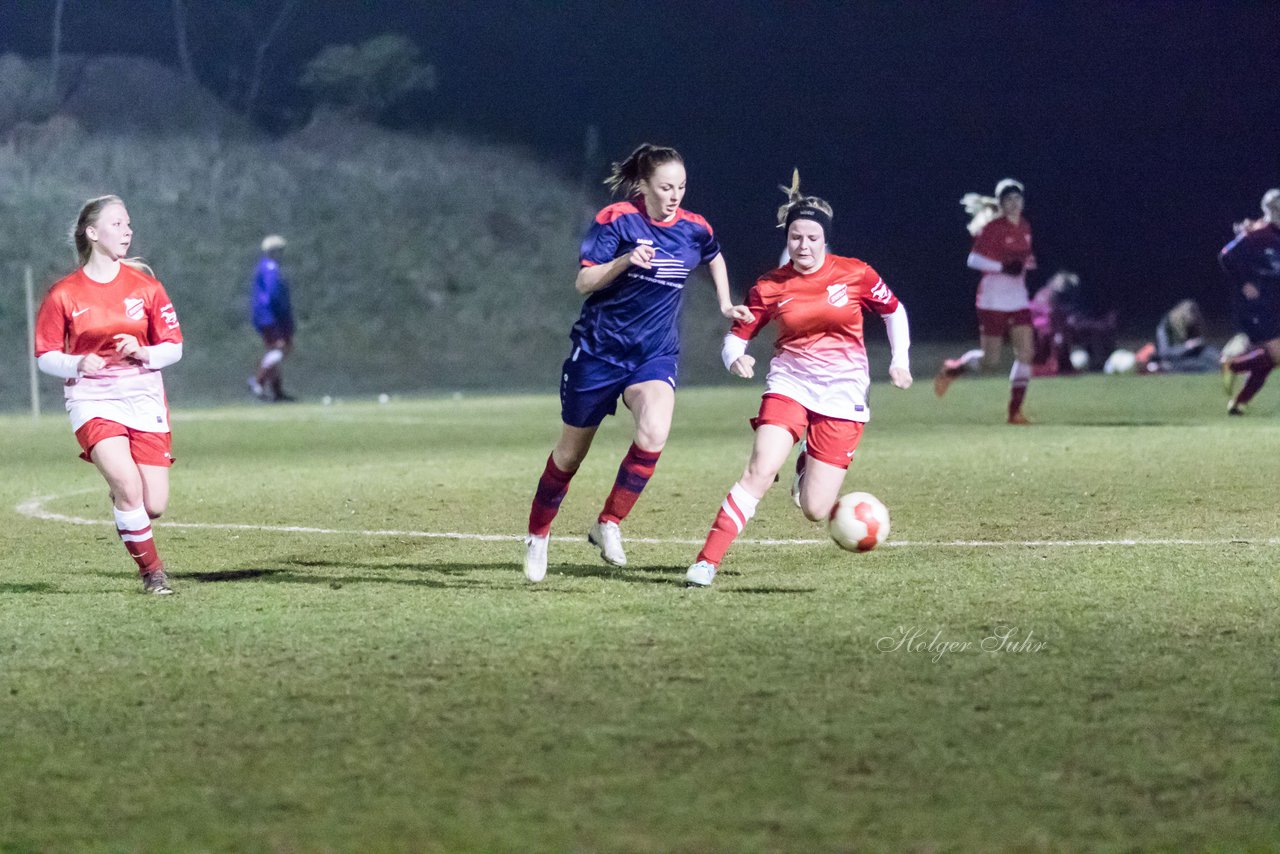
<point x="859" y="522"/>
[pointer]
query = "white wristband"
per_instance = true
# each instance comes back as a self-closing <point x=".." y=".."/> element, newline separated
<point x="734" y="348"/>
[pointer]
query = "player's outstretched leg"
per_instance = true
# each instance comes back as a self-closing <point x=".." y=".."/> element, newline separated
<point x="738" y="508"/>
<point x="1019" y="378"/>
<point x="633" y="475"/>
<point x="1256" y="365"/>
<point x="553" y="485"/>
<point x="134" y="528"/>
<point x="797" y="482"/>
<point x="953" y="368"/>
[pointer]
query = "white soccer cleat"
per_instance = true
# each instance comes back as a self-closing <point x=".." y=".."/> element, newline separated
<point x="607" y="537"/>
<point x="535" y="557"/>
<point x="799" y="478"/>
<point x="701" y="574"/>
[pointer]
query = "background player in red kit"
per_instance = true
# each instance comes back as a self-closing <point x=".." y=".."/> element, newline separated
<point x="108" y="329"/>
<point x="816" y="390"/>
<point x="635" y="260"/>
<point x="1002" y="253"/>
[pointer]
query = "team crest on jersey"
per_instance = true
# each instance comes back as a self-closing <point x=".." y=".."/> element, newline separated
<point x="169" y="315"/>
<point x="838" y="295"/>
<point x="134" y="308"/>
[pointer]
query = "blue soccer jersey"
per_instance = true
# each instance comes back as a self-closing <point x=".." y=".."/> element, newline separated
<point x="635" y="318"/>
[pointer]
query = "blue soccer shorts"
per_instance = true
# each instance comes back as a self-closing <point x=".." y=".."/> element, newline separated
<point x="590" y="387"/>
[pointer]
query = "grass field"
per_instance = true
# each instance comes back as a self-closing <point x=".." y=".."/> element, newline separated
<point x="366" y="685"/>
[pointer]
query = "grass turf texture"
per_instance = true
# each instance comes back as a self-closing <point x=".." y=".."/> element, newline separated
<point x="310" y="691"/>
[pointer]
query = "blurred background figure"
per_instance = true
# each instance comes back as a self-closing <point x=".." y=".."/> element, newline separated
<point x="1069" y="336"/>
<point x="1049" y="310"/>
<point x="273" y="318"/>
<point x="1179" y="346"/>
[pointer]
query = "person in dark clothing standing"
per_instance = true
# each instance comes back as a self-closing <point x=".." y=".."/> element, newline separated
<point x="273" y="318"/>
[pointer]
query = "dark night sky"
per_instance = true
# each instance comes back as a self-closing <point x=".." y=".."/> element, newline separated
<point x="1141" y="129"/>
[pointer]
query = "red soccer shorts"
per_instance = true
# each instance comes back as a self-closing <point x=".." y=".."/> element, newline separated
<point x="148" y="449"/>
<point x="996" y="324"/>
<point x="830" y="440"/>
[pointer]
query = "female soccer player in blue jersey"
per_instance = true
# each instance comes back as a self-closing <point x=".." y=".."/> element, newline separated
<point x="635" y="260"/>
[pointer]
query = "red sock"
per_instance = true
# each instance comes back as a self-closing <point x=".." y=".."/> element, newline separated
<point x="134" y="528"/>
<point x="552" y="487"/>
<point x="1019" y="377"/>
<point x="738" y="508"/>
<point x="1017" y="394"/>
<point x="636" y="469"/>
<point x="1257" y="376"/>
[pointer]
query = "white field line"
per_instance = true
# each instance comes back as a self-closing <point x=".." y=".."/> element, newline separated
<point x="34" y="508"/>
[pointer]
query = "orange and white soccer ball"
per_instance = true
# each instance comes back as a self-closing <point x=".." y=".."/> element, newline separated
<point x="859" y="522"/>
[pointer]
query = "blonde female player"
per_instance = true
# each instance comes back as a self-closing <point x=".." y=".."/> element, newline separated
<point x="635" y="261"/>
<point x="108" y="329"/>
<point x="818" y="379"/>
<point x="1002" y="253"/>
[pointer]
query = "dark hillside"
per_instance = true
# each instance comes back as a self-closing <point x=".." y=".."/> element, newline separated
<point x="417" y="263"/>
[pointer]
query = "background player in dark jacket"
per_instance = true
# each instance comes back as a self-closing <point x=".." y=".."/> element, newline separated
<point x="273" y="318"/>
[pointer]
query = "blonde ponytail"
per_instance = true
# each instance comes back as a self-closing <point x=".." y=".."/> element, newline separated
<point x="796" y="199"/>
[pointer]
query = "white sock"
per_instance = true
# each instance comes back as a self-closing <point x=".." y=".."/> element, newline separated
<point x="272" y="358"/>
<point x="1020" y="374"/>
<point x="132" y="520"/>
<point x="740" y="505"/>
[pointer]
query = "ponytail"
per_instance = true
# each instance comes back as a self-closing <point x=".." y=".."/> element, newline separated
<point x="797" y="203"/>
<point x="640" y="164"/>
<point x="982" y="209"/>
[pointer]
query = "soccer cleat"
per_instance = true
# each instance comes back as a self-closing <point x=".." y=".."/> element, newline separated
<point x="1019" y="418"/>
<point x="1234" y="408"/>
<point x="800" y="465"/>
<point x="156" y="583"/>
<point x="256" y="389"/>
<point x="944" y="378"/>
<point x="701" y="574"/>
<point x="607" y="537"/>
<point x="535" y="557"/>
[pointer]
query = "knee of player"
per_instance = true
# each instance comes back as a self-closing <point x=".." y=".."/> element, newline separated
<point x="758" y="478"/>
<point x="156" y="510"/>
<point x="652" y="439"/>
<point x="816" y="511"/>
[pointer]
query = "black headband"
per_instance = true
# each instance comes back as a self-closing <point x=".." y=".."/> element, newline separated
<point x="818" y="215"/>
